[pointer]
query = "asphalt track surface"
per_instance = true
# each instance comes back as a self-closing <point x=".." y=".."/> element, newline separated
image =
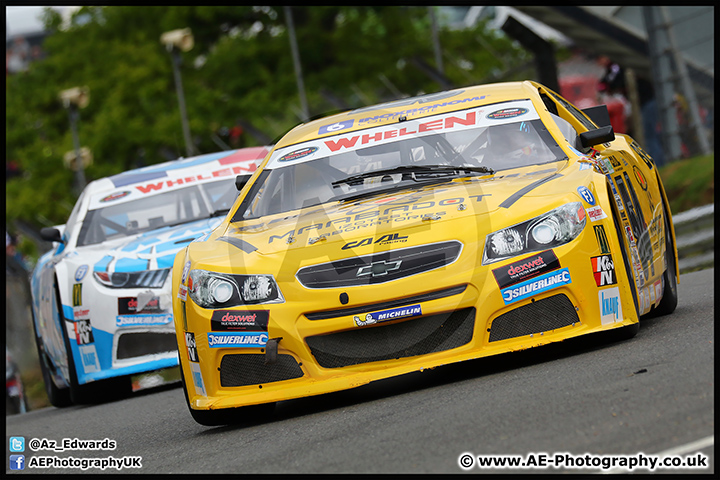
<point x="652" y="394"/>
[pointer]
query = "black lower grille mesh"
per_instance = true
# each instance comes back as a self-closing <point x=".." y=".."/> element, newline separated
<point x="541" y="316"/>
<point x="419" y="336"/>
<point x="132" y="345"/>
<point x="250" y="369"/>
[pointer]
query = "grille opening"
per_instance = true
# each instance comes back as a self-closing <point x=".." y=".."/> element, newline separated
<point x="237" y="370"/>
<point x="539" y="316"/>
<point x="131" y="345"/>
<point x="380" y="267"/>
<point x="417" y="336"/>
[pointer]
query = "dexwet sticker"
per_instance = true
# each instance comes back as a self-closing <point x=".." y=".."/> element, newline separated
<point x="526" y="268"/>
<point x="240" y="320"/>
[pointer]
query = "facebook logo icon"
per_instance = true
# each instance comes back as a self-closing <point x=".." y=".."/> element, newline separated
<point x="17" y="462"/>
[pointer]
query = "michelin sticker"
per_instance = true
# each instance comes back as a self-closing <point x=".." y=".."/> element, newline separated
<point x="387" y="315"/>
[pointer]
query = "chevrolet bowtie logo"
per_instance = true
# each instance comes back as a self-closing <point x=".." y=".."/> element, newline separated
<point x="378" y="268"/>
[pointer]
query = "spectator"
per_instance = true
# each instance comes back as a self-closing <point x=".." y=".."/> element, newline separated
<point x="12" y="254"/>
<point x="611" y="92"/>
<point x="651" y="123"/>
<point x="613" y="82"/>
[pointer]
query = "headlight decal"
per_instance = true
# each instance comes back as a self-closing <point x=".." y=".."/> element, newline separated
<point x="536" y="285"/>
<point x="507" y="203"/>
<point x="238" y="242"/>
<point x="141" y="279"/>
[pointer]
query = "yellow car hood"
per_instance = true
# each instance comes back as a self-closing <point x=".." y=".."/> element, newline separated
<point x="379" y="218"/>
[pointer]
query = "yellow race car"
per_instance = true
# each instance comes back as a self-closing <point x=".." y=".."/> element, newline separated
<point x="418" y="233"/>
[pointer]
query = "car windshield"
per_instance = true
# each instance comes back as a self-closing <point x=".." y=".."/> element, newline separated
<point x="174" y="207"/>
<point x="470" y="142"/>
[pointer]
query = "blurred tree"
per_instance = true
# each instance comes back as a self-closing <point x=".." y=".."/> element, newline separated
<point x="239" y="73"/>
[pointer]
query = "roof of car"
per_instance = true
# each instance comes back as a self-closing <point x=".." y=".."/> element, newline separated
<point x="413" y="107"/>
<point x="174" y="168"/>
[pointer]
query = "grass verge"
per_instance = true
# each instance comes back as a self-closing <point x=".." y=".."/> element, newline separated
<point x="689" y="183"/>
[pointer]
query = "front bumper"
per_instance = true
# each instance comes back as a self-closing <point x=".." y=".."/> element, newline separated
<point x="324" y="346"/>
<point x="108" y="342"/>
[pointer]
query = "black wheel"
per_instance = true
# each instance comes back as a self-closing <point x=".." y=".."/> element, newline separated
<point x="226" y="416"/>
<point x="93" y="392"/>
<point x="59" y="397"/>
<point x="101" y="391"/>
<point x="670" y="294"/>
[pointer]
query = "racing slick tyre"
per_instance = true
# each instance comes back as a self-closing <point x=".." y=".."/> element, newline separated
<point x="226" y="416"/>
<point x="629" y="331"/>
<point x="59" y="397"/>
<point x="95" y="392"/>
<point x="670" y="296"/>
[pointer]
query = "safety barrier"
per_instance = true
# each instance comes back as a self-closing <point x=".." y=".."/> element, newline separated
<point x="695" y="236"/>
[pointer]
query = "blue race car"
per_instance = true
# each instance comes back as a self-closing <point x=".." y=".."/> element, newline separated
<point x="101" y="297"/>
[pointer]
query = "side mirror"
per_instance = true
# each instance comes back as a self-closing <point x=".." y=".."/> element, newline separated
<point x="241" y="180"/>
<point x="596" y="137"/>
<point x="599" y="115"/>
<point x="51" y="234"/>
